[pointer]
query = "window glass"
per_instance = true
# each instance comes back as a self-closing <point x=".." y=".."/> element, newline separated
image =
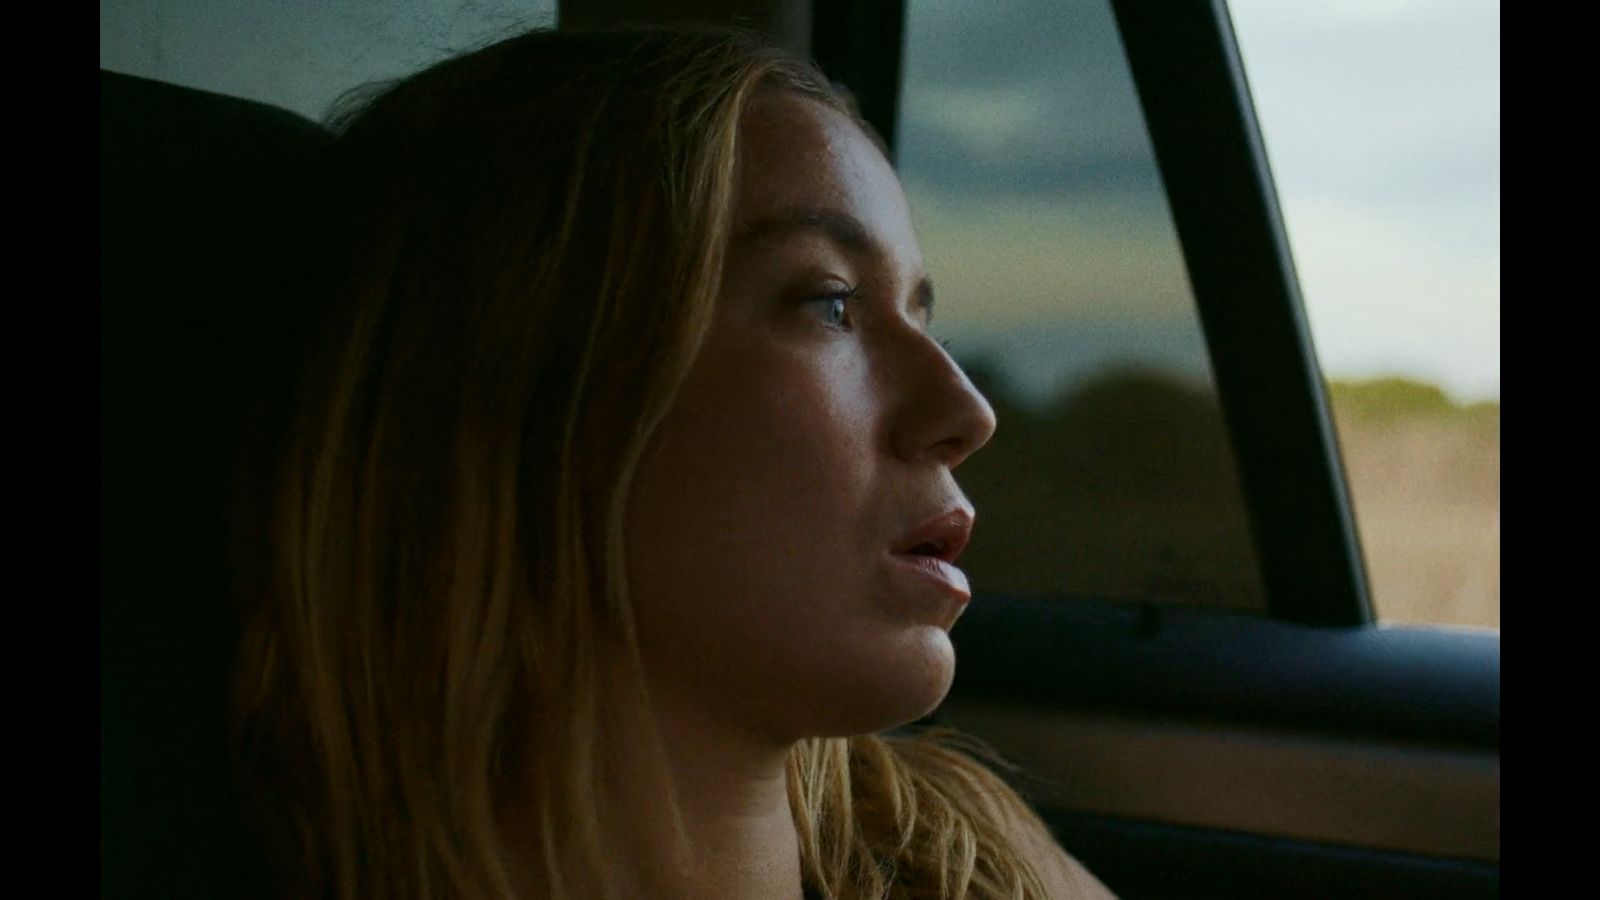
<point x="1063" y="292"/>
<point x="1382" y="125"/>
<point x="298" y="54"/>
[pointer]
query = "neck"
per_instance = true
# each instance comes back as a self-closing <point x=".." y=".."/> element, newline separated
<point x="737" y="836"/>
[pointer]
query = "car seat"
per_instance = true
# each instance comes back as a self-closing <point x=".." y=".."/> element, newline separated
<point x="209" y="246"/>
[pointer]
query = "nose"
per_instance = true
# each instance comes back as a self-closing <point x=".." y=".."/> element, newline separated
<point x="940" y="415"/>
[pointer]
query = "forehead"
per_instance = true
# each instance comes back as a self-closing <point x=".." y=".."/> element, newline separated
<point x="796" y="155"/>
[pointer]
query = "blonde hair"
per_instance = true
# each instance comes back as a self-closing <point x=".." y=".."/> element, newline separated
<point x="536" y="238"/>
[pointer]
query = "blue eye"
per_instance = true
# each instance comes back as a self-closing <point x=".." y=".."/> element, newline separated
<point x="836" y="311"/>
<point x="835" y="305"/>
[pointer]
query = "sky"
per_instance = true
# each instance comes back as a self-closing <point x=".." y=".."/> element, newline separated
<point x="1030" y="173"/>
<point x="1382" y="125"/>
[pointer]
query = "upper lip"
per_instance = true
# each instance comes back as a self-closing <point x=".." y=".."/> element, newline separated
<point x="947" y="532"/>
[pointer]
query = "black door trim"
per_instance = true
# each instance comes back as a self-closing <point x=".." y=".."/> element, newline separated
<point x="1202" y="126"/>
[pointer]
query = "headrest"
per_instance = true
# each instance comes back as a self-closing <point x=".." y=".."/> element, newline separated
<point x="208" y="251"/>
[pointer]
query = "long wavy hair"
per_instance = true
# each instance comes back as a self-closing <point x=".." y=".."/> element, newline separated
<point x="533" y="241"/>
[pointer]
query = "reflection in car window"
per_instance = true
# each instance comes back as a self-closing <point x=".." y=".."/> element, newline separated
<point x="1063" y="292"/>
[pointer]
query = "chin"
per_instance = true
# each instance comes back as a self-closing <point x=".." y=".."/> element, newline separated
<point x="897" y="686"/>
<point x="924" y="693"/>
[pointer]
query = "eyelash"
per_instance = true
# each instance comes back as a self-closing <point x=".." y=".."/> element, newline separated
<point x="846" y="295"/>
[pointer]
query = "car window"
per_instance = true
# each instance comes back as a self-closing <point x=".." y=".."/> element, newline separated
<point x="298" y="54"/>
<point x="1063" y="292"/>
<point x="1382" y="127"/>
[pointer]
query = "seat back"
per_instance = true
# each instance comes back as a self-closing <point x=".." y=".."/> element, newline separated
<point x="209" y="245"/>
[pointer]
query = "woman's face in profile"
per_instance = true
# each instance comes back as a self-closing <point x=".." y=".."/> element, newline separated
<point x="785" y="528"/>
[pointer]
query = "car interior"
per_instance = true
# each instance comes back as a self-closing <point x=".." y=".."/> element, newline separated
<point x="1279" y="742"/>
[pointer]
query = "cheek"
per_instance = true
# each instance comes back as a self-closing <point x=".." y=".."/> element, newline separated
<point x="765" y="451"/>
<point x="754" y="485"/>
<point x="754" y="563"/>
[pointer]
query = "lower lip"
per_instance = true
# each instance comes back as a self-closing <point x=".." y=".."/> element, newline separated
<point x="939" y="572"/>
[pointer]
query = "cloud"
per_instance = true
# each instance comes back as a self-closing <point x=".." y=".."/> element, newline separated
<point x="1393" y="103"/>
<point x="1031" y="97"/>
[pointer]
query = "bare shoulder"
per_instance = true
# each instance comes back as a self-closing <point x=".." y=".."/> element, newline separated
<point x="1064" y="877"/>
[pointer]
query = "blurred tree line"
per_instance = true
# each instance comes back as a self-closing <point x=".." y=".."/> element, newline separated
<point x="1121" y="487"/>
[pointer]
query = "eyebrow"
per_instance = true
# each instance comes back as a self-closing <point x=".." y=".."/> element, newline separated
<point x="841" y="228"/>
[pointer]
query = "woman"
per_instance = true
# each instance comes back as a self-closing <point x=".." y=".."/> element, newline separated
<point x="618" y="510"/>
